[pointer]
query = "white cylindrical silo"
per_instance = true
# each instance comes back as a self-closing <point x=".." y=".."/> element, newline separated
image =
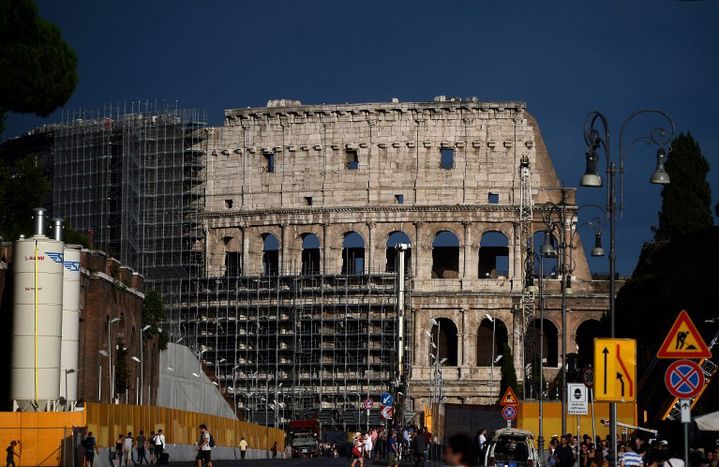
<point x="69" y="355"/>
<point x="37" y="319"/>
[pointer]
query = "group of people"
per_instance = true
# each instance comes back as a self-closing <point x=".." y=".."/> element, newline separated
<point x="148" y="449"/>
<point x="408" y="443"/>
<point x="122" y="454"/>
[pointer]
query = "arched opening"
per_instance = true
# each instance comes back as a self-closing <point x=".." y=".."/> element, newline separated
<point x="233" y="257"/>
<point x="443" y="343"/>
<point x="586" y="333"/>
<point x="491" y="330"/>
<point x="445" y="255"/>
<point x="270" y="255"/>
<point x="493" y="255"/>
<point x="551" y="343"/>
<point x="352" y="254"/>
<point x="310" y="254"/>
<point x="548" y="263"/>
<point x="394" y="239"/>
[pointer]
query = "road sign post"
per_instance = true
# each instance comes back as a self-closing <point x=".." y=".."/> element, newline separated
<point x="684" y="379"/>
<point x="686" y="407"/>
<point x="509" y="413"/>
<point x="615" y="370"/>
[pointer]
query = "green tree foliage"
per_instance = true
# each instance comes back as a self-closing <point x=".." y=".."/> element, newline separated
<point x="23" y="186"/>
<point x="39" y="69"/>
<point x="153" y="312"/>
<point x="74" y="237"/>
<point x="509" y="374"/>
<point x="686" y="201"/>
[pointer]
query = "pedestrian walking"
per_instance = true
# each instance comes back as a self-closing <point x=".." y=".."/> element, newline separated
<point x="127" y="442"/>
<point x="159" y="442"/>
<point x="151" y="447"/>
<point x="204" y="451"/>
<point x="11" y="454"/>
<point x="117" y="459"/>
<point x="141" y="446"/>
<point x="357" y="448"/>
<point x="564" y="453"/>
<point x="481" y="441"/>
<point x="274" y="450"/>
<point x="631" y="457"/>
<point x="392" y="450"/>
<point x="243" y="448"/>
<point x="90" y="445"/>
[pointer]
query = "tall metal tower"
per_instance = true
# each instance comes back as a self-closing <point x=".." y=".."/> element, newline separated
<point x="527" y="301"/>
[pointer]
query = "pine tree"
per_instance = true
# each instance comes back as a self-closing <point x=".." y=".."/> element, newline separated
<point x="39" y="69"/>
<point x="686" y="201"/>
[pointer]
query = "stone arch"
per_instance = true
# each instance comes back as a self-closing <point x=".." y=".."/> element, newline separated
<point x="493" y="255"/>
<point x="551" y="342"/>
<point x="310" y="259"/>
<point x="233" y="256"/>
<point x="270" y="255"/>
<point x="488" y="328"/>
<point x="393" y="239"/>
<point x="587" y="331"/>
<point x="353" y="253"/>
<point x="445" y="255"/>
<point x="443" y="342"/>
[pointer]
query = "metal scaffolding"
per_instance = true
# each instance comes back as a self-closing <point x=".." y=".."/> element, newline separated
<point x="130" y="176"/>
<point x="296" y="346"/>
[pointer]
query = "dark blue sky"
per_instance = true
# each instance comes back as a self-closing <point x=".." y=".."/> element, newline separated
<point x="564" y="58"/>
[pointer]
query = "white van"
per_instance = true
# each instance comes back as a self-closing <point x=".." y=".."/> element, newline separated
<point x="510" y="447"/>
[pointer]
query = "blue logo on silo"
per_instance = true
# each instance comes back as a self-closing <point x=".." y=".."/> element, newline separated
<point x="56" y="257"/>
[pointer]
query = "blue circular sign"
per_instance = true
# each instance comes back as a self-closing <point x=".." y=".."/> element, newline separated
<point x="509" y="412"/>
<point x="387" y="399"/>
<point x="684" y="379"/>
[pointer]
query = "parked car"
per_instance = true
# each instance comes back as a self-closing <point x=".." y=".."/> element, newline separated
<point x="510" y="447"/>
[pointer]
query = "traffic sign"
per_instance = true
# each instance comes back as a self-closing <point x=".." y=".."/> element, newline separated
<point x="684" y="379"/>
<point x="686" y="410"/>
<point x="684" y="340"/>
<point x="509" y="412"/>
<point x="588" y="377"/>
<point x="509" y="397"/>
<point x="577" y="399"/>
<point x="387" y="412"/>
<point x="367" y="404"/>
<point x="615" y="366"/>
<point x="386" y="399"/>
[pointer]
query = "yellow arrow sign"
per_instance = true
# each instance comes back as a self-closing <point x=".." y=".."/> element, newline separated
<point x="615" y="370"/>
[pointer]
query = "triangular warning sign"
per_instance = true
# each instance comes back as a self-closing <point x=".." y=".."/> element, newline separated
<point x="509" y="397"/>
<point x="683" y="340"/>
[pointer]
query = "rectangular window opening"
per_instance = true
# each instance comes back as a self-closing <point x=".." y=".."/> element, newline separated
<point x="493" y="198"/>
<point x="269" y="162"/>
<point x="351" y="159"/>
<point x="308" y="200"/>
<point x="228" y="203"/>
<point x="399" y="199"/>
<point x="446" y="158"/>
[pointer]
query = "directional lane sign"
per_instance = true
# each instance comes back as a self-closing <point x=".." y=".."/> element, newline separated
<point x="386" y="399"/>
<point x="684" y="340"/>
<point x="684" y="379"/>
<point x="615" y="370"/>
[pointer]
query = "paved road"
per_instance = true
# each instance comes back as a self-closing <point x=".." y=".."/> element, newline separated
<point x="320" y="461"/>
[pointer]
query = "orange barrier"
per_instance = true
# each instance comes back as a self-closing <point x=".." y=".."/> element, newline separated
<point x="41" y="434"/>
<point x="528" y="418"/>
<point x="180" y="427"/>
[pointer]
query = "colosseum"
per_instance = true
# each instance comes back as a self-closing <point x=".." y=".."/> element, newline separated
<point x="330" y="190"/>
<point x="275" y="241"/>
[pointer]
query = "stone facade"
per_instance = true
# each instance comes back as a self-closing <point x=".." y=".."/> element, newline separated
<point x="421" y="168"/>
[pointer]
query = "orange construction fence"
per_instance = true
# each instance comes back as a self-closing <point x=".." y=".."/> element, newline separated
<point x="43" y="435"/>
<point x="528" y="418"/>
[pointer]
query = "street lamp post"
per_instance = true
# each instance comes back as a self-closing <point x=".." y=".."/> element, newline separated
<point x="660" y="137"/>
<point x="106" y="354"/>
<point x="491" y="375"/>
<point x="138" y="389"/>
<point x="111" y="368"/>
